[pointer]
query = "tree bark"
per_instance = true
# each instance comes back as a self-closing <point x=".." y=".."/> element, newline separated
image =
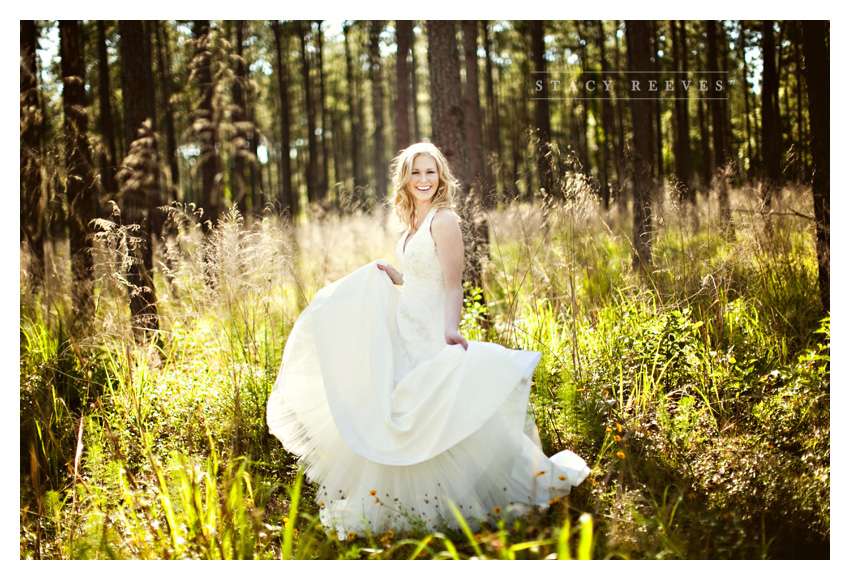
<point x="379" y="162"/>
<point x="658" y="134"/>
<point x="583" y="147"/>
<point x="80" y="173"/>
<point x="447" y="120"/>
<point x="414" y="82"/>
<point x="607" y="123"/>
<point x="164" y="61"/>
<point x="139" y="176"/>
<point x="204" y="125"/>
<point x="107" y="155"/>
<point x="718" y="130"/>
<point x="404" y="34"/>
<point x="542" y="127"/>
<point x="472" y="113"/>
<point x="746" y="86"/>
<point x="769" y="121"/>
<point x="313" y="194"/>
<point x="354" y="117"/>
<point x="494" y="144"/>
<point x="288" y="196"/>
<point x="324" y="174"/>
<point x="816" y="59"/>
<point x="638" y="42"/>
<point x="682" y="148"/>
<point x="241" y="144"/>
<point x="32" y="200"/>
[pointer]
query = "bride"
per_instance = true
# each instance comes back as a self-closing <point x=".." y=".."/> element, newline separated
<point x="397" y="418"/>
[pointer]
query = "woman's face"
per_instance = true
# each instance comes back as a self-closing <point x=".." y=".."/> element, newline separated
<point x="424" y="178"/>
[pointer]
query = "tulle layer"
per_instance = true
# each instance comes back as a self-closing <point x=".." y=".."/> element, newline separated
<point x="393" y="453"/>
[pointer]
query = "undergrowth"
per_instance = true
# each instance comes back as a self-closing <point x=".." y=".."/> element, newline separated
<point x="698" y="393"/>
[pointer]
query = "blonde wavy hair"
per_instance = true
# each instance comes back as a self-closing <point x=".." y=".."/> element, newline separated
<point x="402" y="167"/>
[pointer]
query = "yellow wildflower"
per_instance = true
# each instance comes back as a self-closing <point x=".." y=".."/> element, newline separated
<point x="351" y="536"/>
<point x="621" y="455"/>
<point x="539" y="473"/>
<point x="497" y="510"/>
<point x="617" y="438"/>
<point x="619" y="428"/>
<point x="562" y="478"/>
<point x="373" y="492"/>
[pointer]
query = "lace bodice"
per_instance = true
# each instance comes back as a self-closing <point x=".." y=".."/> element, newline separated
<point x="421" y="310"/>
<point x="418" y="258"/>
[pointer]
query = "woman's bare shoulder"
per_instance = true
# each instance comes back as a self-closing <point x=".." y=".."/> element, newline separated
<point x="446" y="218"/>
<point x="445" y="226"/>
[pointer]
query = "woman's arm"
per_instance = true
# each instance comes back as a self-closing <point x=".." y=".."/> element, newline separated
<point x="447" y="237"/>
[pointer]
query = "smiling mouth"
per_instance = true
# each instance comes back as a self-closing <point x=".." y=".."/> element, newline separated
<point x="424" y="188"/>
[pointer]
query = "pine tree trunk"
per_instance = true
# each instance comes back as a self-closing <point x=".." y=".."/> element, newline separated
<point x="816" y="57"/>
<point x="32" y="200"/>
<point x="682" y="148"/>
<point x="241" y="145"/>
<point x="80" y="173"/>
<point x="583" y="147"/>
<point x="204" y="125"/>
<point x="107" y="156"/>
<point x="620" y="148"/>
<point x="164" y="60"/>
<point x="414" y="83"/>
<point x="769" y="121"/>
<point x="607" y="122"/>
<point x="447" y="120"/>
<point x="404" y="34"/>
<point x="542" y="127"/>
<point x="658" y="134"/>
<point x="494" y="144"/>
<point x="746" y="86"/>
<point x="288" y="196"/>
<point x="309" y="104"/>
<point x="324" y="174"/>
<point x="354" y="117"/>
<point x="139" y="176"/>
<point x="472" y="112"/>
<point x="718" y="130"/>
<point x="638" y="42"/>
<point x="379" y="162"/>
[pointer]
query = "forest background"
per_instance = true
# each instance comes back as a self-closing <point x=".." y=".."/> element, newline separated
<point x="187" y="186"/>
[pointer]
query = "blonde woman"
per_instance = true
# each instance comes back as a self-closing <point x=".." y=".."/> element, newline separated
<point x="394" y="414"/>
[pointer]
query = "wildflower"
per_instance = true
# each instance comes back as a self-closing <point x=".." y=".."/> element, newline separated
<point x="373" y="492"/>
<point x="377" y="500"/>
<point x="617" y="438"/>
<point x="579" y="390"/>
<point x="390" y="534"/>
<point x="554" y="500"/>
<point x="321" y="504"/>
<point x="621" y="455"/>
<point x="497" y="510"/>
<point x="619" y="428"/>
<point x="608" y="429"/>
<point x="350" y="536"/>
<point x="285" y="520"/>
<point x="562" y="478"/>
<point x="540" y="473"/>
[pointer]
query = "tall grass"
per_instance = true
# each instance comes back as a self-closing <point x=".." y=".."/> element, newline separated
<point x="699" y="392"/>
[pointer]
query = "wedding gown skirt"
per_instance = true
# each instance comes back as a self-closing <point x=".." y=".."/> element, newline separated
<point x="392" y="424"/>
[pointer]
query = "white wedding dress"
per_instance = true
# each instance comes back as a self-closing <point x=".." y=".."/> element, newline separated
<point x="392" y="424"/>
